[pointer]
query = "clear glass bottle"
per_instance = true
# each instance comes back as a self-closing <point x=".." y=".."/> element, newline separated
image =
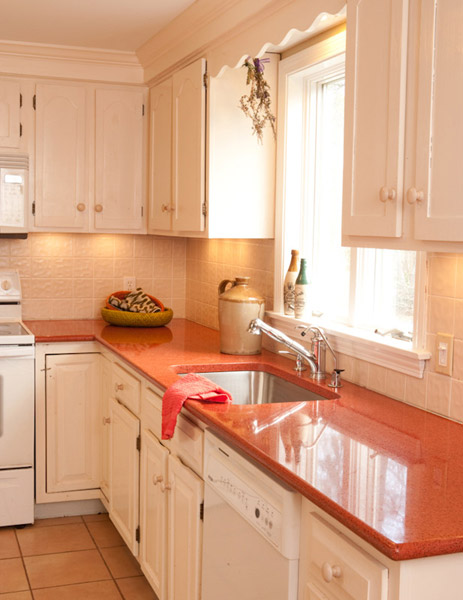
<point x="301" y="292"/>
<point x="290" y="282"/>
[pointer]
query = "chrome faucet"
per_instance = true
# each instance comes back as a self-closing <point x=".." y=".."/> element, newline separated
<point x="319" y="345"/>
<point x="257" y="326"/>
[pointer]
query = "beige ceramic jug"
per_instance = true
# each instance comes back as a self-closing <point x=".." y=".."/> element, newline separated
<point x="238" y="306"/>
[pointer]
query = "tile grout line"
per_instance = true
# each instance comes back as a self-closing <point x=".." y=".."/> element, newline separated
<point x="23" y="562"/>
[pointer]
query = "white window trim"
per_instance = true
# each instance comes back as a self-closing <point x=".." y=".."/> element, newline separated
<point x="389" y="353"/>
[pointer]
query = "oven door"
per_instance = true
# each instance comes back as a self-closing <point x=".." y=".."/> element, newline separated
<point x="16" y="406"/>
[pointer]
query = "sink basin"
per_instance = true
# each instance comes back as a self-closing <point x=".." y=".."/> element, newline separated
<point x="258" y="387"/>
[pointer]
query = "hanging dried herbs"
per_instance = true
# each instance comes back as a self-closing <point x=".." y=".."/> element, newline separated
<point x="256" y="105"/>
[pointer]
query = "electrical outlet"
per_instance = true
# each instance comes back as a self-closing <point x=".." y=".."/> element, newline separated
<point x="444" y="353"/>
<point x="130" y="283"/>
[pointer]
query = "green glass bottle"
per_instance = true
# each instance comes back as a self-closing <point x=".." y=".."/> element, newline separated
<point x="301" y="291"/>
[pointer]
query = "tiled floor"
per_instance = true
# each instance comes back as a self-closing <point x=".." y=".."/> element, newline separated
<point x="70" y="558"/>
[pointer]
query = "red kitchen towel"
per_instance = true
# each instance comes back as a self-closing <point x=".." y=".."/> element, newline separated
<point x="190" y="387"/>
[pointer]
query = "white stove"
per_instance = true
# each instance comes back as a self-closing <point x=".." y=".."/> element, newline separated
<point x="17" y="356"/>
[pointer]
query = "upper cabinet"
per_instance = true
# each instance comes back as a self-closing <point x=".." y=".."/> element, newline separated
<point x="402" y="177"/>
<point x="10" y="107"/>
<point x="209" y="175"/>
<point x="89" y="154"/>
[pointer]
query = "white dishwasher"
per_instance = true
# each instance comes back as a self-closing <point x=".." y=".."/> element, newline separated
<point x="251" y="529"/>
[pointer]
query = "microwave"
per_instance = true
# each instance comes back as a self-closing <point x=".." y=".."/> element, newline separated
<point x="13" y="195"/>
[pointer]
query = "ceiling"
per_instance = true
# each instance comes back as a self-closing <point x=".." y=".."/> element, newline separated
<point x="109" y="24"/>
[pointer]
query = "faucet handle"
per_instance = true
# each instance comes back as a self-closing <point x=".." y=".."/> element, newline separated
<point x="299" y="364"/>
<point x="336" y="378"/>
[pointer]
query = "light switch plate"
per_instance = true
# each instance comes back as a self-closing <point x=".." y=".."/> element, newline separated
<point x="444" y="354"/>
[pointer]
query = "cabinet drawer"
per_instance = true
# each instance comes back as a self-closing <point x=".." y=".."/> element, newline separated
<point x="152" y="412"/>
<point x="125" y="388"/>
<point x="340" y="568"/>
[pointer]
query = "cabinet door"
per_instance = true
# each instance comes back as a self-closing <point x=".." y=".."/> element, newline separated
<point x="105" y="395"/>
<point x="160" y="180"/>
<point x="438" y="186"/>
<point x="61" y="170"/>
<point x="184" y="532"/>
<point x="9" y="114"/>
<point x="72" y="422"/>
<point x="189" y="132"/>
<point x="375" y="117"/>
<point x="119" y="160"/>
<point x="124" y="473"/>
<point x="153" y="513"/>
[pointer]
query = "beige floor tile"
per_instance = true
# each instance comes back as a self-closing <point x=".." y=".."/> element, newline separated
<point x="50" y="570"/>
<point x="57" y="521"/>
<point x="12" y="576"/>
<point x="96" y="518"/>
<point x="99" y="590"/>
<point x="136" y="588"/>
<point x="50" y="540"/>
<point x="121" y="561"/>
<point x="8" y="544"/>
<point x="16" y="596"/>
<point x="105" y="534"/>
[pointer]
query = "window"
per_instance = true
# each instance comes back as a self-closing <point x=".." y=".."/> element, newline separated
<point x="366" y="290"/>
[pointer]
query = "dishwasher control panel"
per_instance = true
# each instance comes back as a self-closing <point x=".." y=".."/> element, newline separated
<point x="263" y="501"/>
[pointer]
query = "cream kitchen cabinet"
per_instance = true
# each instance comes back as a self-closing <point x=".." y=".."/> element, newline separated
<point x="209" y="176"/>
<point x="10" y="111"/>
<point x="402" y="175"/>
<point x="171" y="496"/>
<point x="67" y="422"/>
<point x="89" y="153"/>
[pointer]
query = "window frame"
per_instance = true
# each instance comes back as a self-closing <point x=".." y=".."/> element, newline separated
<point x="356" y="343"/>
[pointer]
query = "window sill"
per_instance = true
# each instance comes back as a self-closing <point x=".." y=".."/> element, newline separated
<point x="389" y="353"/>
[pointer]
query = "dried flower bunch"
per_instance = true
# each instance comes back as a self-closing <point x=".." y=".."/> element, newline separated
<point x="256" y="105"/>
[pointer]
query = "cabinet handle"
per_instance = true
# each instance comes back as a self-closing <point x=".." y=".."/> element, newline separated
<point x="167" y="486"/>
<point x="81" y="207"/>
<point x="98" y="208"/>
<point x="119" y="386"/>
<point x="106" y="420"/>
<point x="165" y="208"/>
<point x="329" y="572"/>
<point x="414" y="195"/>
<point x="386" y="194"/>
<point x="157" y="479"/>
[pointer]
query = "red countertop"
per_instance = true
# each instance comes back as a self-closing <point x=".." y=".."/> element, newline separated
<point x="390" y="472"/>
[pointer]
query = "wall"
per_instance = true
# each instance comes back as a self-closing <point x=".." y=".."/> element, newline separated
<point x="66" y="276"/>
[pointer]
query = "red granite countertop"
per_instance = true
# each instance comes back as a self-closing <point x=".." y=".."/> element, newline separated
<point x="390" y="472"/>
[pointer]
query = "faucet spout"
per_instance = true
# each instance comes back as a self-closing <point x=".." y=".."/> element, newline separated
<point x="257" y="326"/>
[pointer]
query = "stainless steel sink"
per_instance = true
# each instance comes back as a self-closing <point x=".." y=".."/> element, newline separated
<point x="258" y="387"/>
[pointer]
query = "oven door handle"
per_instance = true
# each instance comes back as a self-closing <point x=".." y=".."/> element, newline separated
<point x="16" y="351"/>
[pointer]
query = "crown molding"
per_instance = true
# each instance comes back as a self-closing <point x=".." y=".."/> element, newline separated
<point x="69" y="62"/>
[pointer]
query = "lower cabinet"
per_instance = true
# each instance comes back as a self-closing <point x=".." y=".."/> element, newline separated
<point x="171" y="503"/>
<point x="124" y="444"/>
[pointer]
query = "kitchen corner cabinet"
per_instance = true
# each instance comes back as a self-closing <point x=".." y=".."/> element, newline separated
<point x="67" y="422"/>
<point x="89" y="153"/>
<point x="402" y="175"/>
<point x="209" y="175"/>
<point x="171" y="496"/>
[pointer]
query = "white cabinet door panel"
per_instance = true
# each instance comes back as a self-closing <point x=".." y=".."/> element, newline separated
<point x="61" y="171"/>
<point x="73" y="418"/>
<point x="153" y="513"/>
<point x="189" y="134"/>
<point x="375" y="108"/>
<point x="124" y="473"/>
<point x="9" y="114"/>
<point x="119" y="160"/>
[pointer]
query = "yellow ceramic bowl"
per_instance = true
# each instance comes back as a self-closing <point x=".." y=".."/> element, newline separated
<point x="124" y="318"/>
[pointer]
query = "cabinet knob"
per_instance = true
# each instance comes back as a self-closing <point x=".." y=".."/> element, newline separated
<point x="330" y="572"/>
<point x="98" y="208"/>
<point x="119" y="387"/>
<point x="157" y="479"/>
<point x="166" y="487"/>
<point x="386" y="194"/>
<point x="414" y="195"/>
<point x="81" y="207"/>
<point x="166" y="208"/>
<point x="106" y="420"/>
